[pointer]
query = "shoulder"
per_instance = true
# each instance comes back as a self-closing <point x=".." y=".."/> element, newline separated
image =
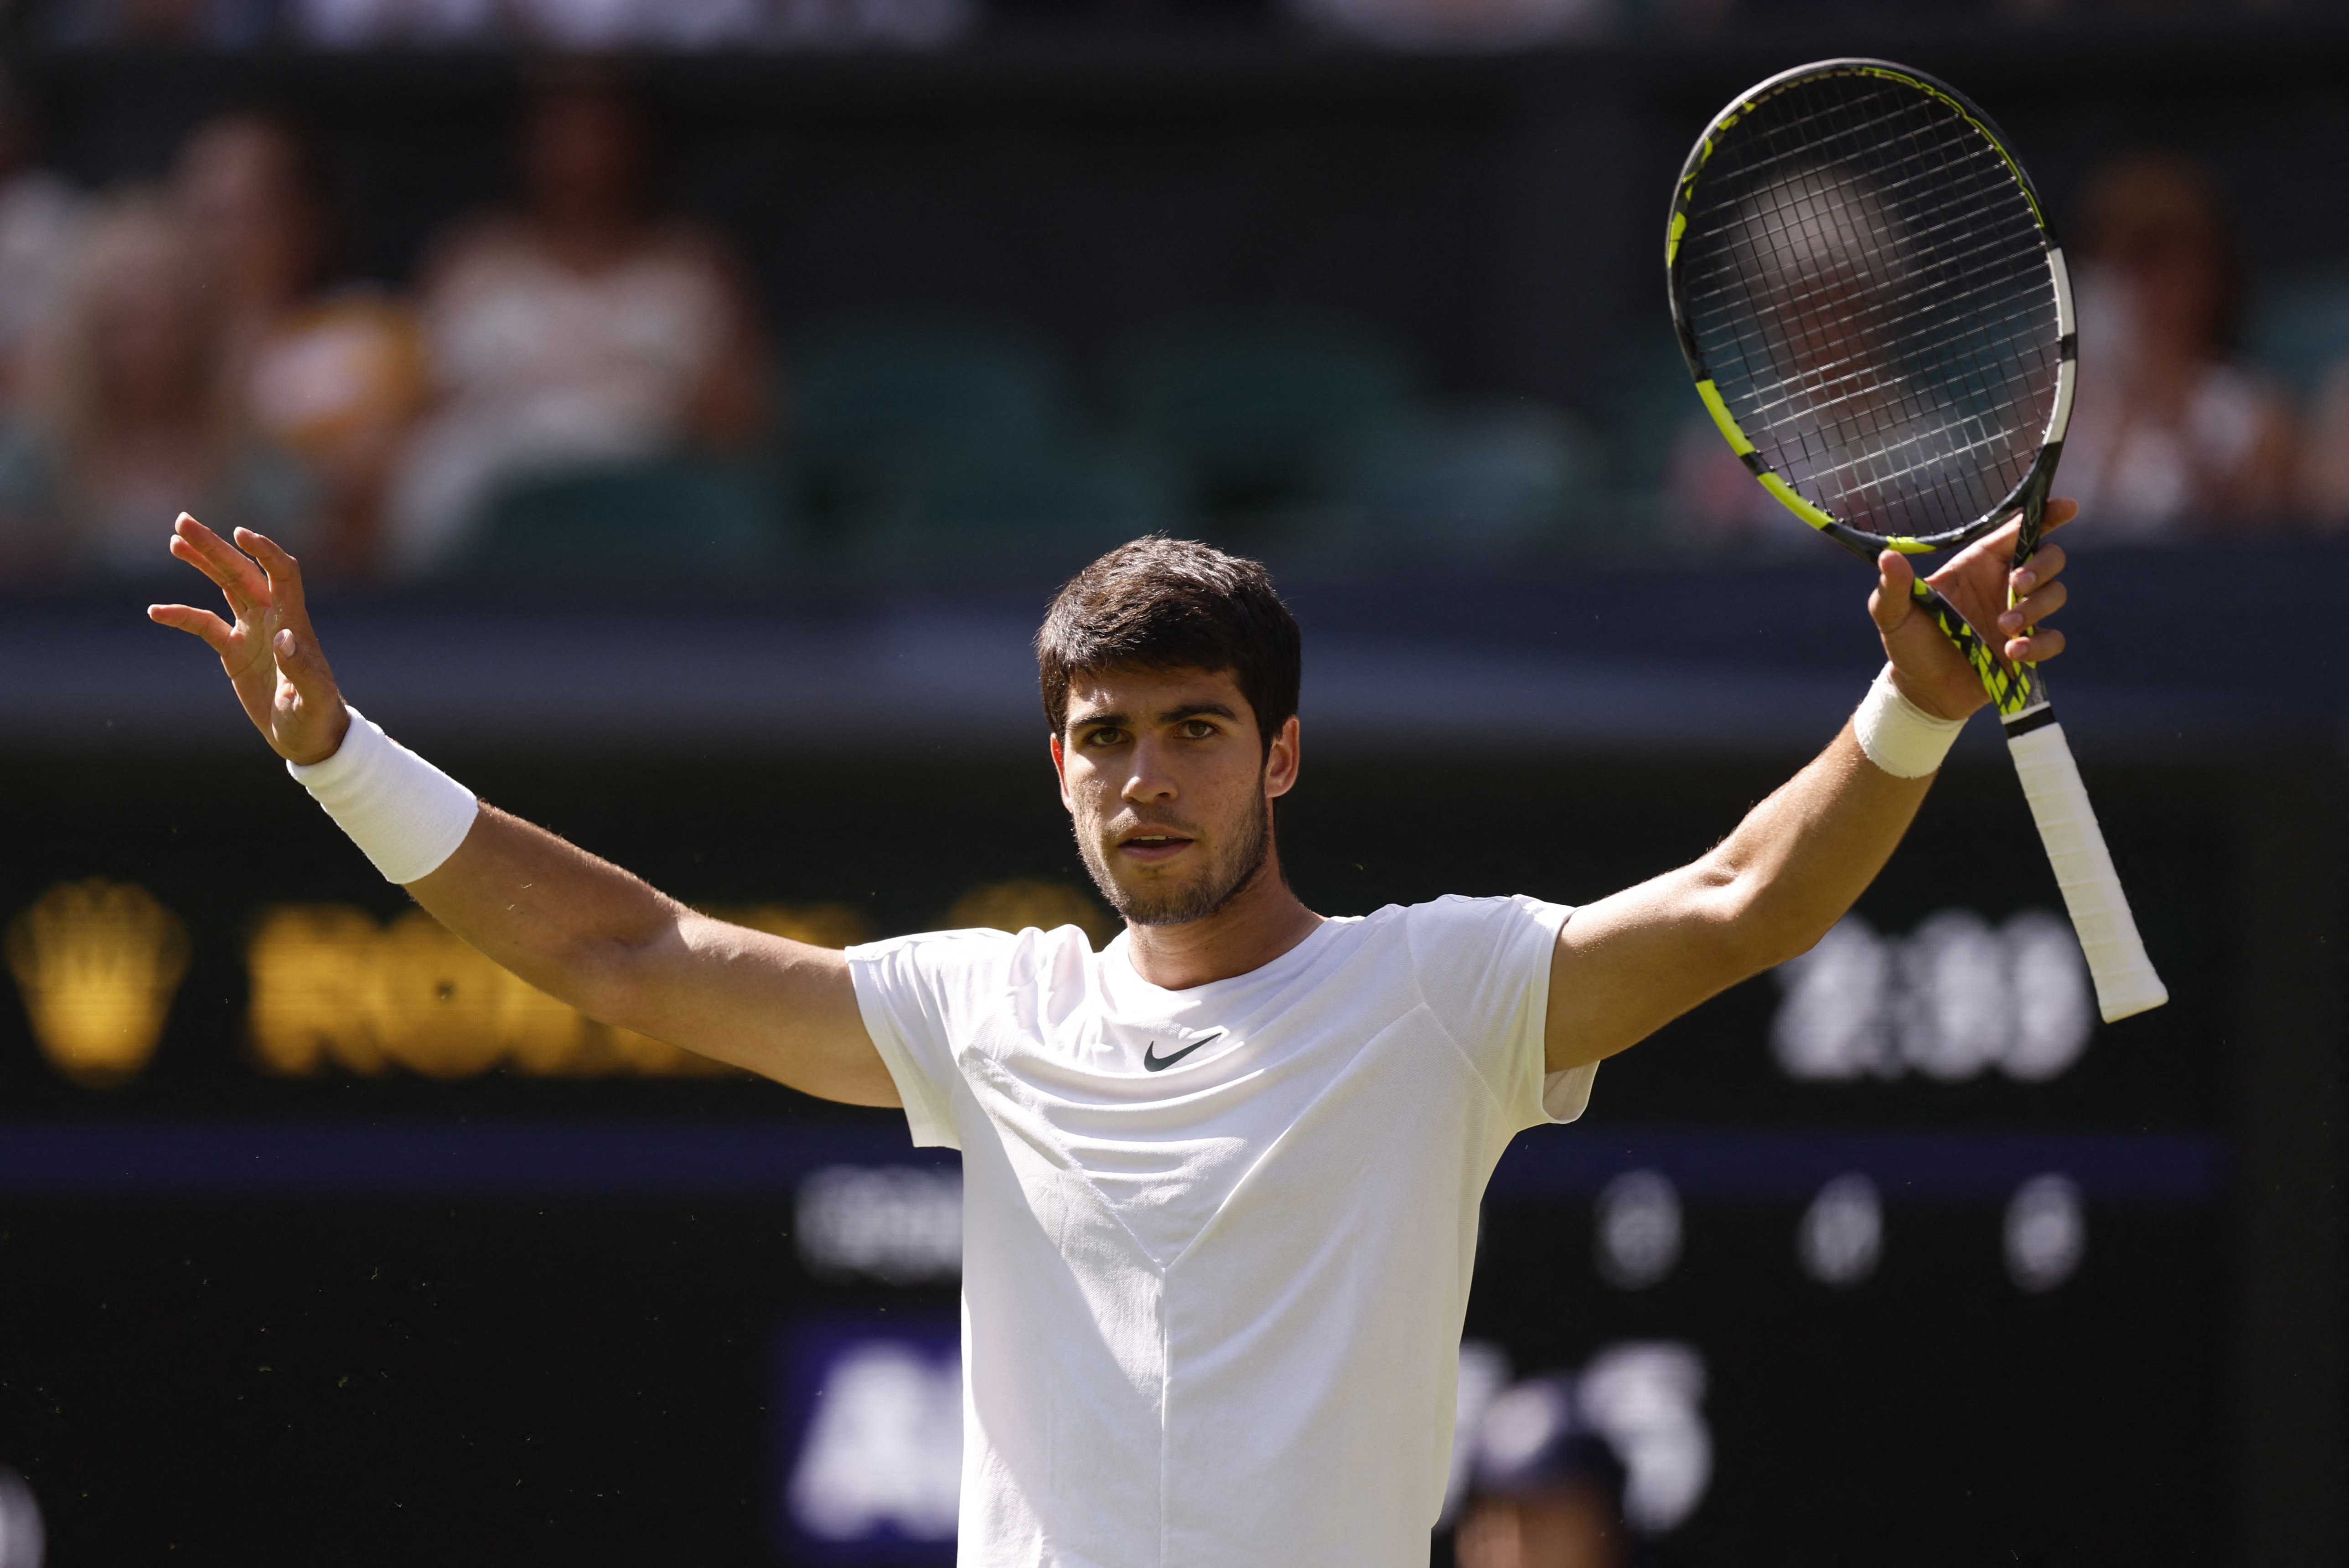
<point x="1459" y="914"/>
<point x="1453" y="939"/>
<point x="982" y="951"/>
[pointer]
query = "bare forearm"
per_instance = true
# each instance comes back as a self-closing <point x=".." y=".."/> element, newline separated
<point x="1801" y="858"/>
<point x="571" y="924"/>
<point x="1630" y="964"/>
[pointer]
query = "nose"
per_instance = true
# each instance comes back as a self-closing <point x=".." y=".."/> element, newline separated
<point x="1153" y="777"/>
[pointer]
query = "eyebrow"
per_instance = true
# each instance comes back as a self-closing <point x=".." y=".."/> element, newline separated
<point x="1172" y="716"/>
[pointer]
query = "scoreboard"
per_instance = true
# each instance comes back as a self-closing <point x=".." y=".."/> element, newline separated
<point x="322" y="1238"/>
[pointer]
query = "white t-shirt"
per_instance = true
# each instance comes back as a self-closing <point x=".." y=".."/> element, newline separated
<point x="1212" y="1307"/>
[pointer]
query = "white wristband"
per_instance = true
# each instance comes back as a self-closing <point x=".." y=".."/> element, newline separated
<point x="406" y="814"/>
<point x="1897" y="735"/>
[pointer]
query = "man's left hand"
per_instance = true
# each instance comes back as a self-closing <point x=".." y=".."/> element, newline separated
<point x="1926" y="665"/>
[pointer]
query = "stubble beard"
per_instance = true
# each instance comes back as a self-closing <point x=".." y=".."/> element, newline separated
<point x="1225" y="879"/>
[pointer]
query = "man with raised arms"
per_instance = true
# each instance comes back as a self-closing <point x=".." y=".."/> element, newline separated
<point x="1221" y="1178"/>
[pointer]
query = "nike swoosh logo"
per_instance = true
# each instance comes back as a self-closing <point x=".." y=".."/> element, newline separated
<point x="1158" y="1064"/>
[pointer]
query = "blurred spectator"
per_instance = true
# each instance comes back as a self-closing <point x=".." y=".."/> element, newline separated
<point x="372" y="23"/>
<point x="603" y="25"/>
<point x="129" y="416"/>
<point x="1547" y="1489"/>
<point x="581" y="328"/>
<point x="208" y="24"/>
<point x="332" y="376"/>
<point x="2323" y="489"/>
<point x="616" y="24"/>
<point x="2168" y="433"/>
<point x="1463" y="25"/>
<point x="1711" y="499"/>
<point x="40" y="216"/>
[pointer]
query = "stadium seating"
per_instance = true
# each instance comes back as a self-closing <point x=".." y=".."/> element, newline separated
<point x="878" y="404"/>
<point x="2299" y="329"/>
<point x="1012" y="510"/>
<point x="653" y="522"/>
<point x="1462" y="485"/>
<point x="1241" y="411"/>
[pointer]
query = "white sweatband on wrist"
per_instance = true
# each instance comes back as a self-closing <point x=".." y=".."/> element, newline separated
<point x="1899" y="736"/>
<point x="406" y="814"/>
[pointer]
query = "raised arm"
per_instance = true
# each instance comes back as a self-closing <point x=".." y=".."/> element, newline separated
<point x="1629" y="964"/>
<point x="572" y="926"/>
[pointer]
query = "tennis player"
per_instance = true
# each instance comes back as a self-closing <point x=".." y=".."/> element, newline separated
<point x="1221" y="1178"/>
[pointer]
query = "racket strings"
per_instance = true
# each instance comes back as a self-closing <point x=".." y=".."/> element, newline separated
<point x="1867" y="285"/>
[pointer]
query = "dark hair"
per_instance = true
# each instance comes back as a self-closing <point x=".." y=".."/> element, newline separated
<point x="1162" y="603"/>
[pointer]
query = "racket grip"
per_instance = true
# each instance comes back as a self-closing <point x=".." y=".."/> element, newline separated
<point x="2126" y="983"/>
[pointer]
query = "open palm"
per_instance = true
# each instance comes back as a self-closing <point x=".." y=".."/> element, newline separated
<point x="269" y="651"/>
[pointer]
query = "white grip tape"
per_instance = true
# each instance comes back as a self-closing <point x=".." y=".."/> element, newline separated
<point x="2126" y="983"/>
<point x="406" y="814"/>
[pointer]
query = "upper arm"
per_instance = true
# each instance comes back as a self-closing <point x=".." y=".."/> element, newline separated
<point x="1628" y="965"/>
<point x="604" y="941"/>
<point x="786" y="1010"/>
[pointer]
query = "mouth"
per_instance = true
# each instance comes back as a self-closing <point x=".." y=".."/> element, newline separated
<point x="1152" y="849"/>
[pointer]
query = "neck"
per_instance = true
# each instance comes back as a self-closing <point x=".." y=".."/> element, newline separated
<point x="1263" y="922"/>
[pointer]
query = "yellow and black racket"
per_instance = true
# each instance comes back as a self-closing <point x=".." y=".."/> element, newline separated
<point x="1877" y="317"/>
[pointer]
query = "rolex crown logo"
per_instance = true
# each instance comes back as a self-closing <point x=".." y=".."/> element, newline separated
<point x="99" y="963"/>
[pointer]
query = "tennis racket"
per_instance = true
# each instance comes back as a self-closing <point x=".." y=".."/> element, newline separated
<point x="1877" y="317"/>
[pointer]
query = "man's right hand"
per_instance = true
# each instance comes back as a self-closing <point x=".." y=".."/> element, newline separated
<point x="270" y="653"/>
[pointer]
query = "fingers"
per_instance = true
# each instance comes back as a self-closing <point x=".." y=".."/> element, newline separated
<point x="283" y="573"/>
<point x="2045" y="643"/>
<point x="203" y="623"/>
<point x="213" y="556"/>
<point x="2038" y="572"/>
<point x="2001" y="541"/>
<point x="1889" y="603"/>
<point x="2033" y="608"/>
<point x="299" y="661"/>
<point x="301" y="665"/>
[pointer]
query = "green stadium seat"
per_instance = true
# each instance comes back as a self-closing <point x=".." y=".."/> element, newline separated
<point x="877" y="404"/>
<point x="2298" y="330"/>
<point x="1014" y="509"/>
<point x="886" y="386"/>
<point x="1242" y="412"/>
<point x="656" y="522"/>
<point x="1465" y="485"/>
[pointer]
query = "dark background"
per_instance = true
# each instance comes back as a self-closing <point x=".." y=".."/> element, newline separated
<point x="501" y="1370"/>
<point x="502" y="1377"/>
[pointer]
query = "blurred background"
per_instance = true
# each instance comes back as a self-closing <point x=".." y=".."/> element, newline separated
<point x="685" y="407"/>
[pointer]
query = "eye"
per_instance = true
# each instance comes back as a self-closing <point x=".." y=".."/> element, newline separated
<point x="1104" y="735"/>
<point x="1199" y="729"/>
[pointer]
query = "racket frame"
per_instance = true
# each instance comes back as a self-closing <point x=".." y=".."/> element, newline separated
<point x="2018" y="691"/>
<point x="2125" y="979"/>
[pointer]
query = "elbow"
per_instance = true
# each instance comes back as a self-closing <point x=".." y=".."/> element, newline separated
<point x="1761" y="931"/>
<point x="610" y="980"/>
<point x="1792" y="940"/>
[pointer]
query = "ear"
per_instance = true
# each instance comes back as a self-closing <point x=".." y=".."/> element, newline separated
<point x="1060" y="771"/>
<point x="1281" y="767"/>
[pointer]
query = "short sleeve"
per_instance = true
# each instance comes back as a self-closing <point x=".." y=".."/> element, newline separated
<point x="914" y="994"/>
<point x="1483" y="967"/>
